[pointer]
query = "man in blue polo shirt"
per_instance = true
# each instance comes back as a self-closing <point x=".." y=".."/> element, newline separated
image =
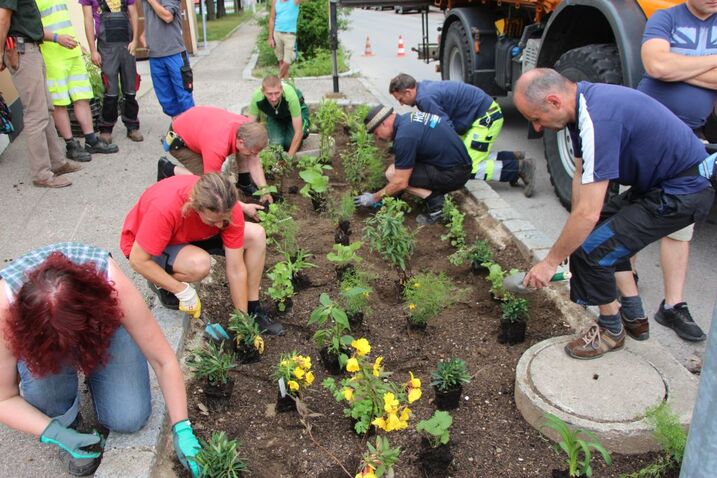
<point x="477" y="119"/>
<point x="430" y="159"/>
<point x="622" y="135"/>
<point x="679" y="52"/>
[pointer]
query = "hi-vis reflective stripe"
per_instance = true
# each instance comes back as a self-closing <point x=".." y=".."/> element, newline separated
<point x="78" y="78"/>
<point x="55" y="27"/>
<point x="51" y="83"/>
<point x="60" y="96"/>
<point x="53" y="9"/>
<point x="80" y="89"/>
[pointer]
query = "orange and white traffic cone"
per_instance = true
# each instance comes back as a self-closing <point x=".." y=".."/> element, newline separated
<point x="367" y="50"/>
<point x="401" y="48"/>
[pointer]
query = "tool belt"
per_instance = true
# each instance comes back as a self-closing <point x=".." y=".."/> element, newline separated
<point x="172" y="141"/>
<point x="490" y="117"/>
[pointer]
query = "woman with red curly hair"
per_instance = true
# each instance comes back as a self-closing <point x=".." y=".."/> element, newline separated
<point x="66" y="308"/>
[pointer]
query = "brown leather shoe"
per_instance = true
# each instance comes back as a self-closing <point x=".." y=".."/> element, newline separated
<point x="53" y="182"/>
<point x="135" y="135"/>
<point x="67" y="168"/>
<point x="638" y="329"/>
<point x="106" y="137"/>
<point x="595" y="343"/>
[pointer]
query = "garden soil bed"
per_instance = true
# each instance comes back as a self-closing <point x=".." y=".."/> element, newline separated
<point x="489" y="437"/>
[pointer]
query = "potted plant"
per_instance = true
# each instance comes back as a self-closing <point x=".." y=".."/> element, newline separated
<point x="279" y="226"/>
<point x="212" y="363"/>
<point x="425" y="296"/>
<point x="281" y="289"/>
<point x="454" y="219"/>
<point x="332" y="336"/>
<point x="268" y="190"/>
<point x="327" y="116"/>
<point x="363" y="164"/>
<point x="246" y="337"/>
<point x="496" y="276"/>
<point x="293" y="374"/>
<point x="298" y="262"/>
<point x="342" y="210"/>
<point x="577" y="450"/>
<point x="355" y="293"/>
<point x="371" y="397"/>
<point x="276" y="163"/>
<point x="447" y="382"/>
<point x="435" y="456"/>
<point x="479" y="254"/>
<point x="388" y="235"/>
<point x="344" y="258"/>
<point x="513" y="321"/>
<point x="315" y="182"/>
<point x="379" y="459"/>
<point x="219" y="456"/>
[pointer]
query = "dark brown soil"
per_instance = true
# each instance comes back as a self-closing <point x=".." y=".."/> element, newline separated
<point x="489" y="437"/>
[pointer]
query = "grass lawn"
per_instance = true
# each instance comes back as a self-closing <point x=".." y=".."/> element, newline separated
<point x="220" y="28"/>
<point x="317" y="66"/>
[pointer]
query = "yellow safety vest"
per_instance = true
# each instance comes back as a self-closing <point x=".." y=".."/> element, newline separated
<point x="56" y="19"/>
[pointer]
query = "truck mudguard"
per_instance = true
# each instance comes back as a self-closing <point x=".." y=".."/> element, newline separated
<point x="484" y="21"/>
<point x="626" y="20"/>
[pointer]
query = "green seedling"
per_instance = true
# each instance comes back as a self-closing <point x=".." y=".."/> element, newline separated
<point x="577" y="450"/>
<point x="437" y="428"/>
<point x="211" y="362"/>
<point x="219" y="457"/>
<point x="450" y="374"/>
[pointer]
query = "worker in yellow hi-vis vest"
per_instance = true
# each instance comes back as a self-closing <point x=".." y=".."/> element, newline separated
<point x="68" y="81"/>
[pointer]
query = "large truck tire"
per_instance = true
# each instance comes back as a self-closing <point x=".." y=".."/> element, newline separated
<point x="457" y="60"/>
<point x="593" y="63"/>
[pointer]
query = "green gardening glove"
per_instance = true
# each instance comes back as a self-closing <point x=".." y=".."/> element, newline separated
<point x="70" y="440"/>
<point x="186" y="445"/>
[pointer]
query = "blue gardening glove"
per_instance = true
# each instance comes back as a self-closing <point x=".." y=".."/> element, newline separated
<point x="186" y="445"/>
<point x="365" y="200"/>
<point x="70" y="440"/>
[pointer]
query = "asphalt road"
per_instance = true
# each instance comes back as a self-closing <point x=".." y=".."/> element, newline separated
<point x="544" y="210"/>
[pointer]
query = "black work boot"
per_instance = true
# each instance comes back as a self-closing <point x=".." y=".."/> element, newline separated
<point x="527" y="174"/>
<point x="165" y="168"/>
<point x="246" y="185"/>
<point x="434" y="210"/>
<point x="101" y="147"/>
<point x="74" y="151"/>
<point x="266" y="324"/>
<point x="166" y="298"/>
<point x="79" y="466"/>
<point x="680" y="320"/>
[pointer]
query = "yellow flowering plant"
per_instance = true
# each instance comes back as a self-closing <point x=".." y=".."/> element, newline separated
<point x="246" y="332"/>
<point x="426" y="295"/>
<point x="379" y="459"/>
<point x="296" y="372"/>
<point x="371" y="398"/>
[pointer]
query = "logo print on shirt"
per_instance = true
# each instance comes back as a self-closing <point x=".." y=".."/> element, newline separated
<point x="426" y="118"/>
<point x="693" y="41"/>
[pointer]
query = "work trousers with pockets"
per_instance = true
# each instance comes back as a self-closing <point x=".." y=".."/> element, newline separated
<point x="119" y="70"/>
<point x="44" y="148"/>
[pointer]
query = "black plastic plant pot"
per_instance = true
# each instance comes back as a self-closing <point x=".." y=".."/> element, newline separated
<point x="293" y="189"/>
<point x="300" y="281"/>
<point x="340" y="237"/>
<point x="478" y="268"/>
<point x="345" y="226"/>
<point x="355" y="319"/>
<point x="512" y="332"/>
<point x="448" y="399"/>
<point x="218" y="395"/>
<point x="435" y="461"/>
<point x="247" y="353"/>
<point x="318" y="203"/>
<point x="342" y="271"/>
<point x="285" y="404"/>
<point x="560" y="473"/>
<point x="330" y="361"/>
<point x="416" y="325"/>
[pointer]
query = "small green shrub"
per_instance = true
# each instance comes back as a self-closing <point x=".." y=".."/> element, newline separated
<point x="495" y="277"/>
<point x="333" y="328"/>
<point x="355" y="292"/>
<point x="426" y="295"/>
<point x="219" y="457"/>
<point x="211" y="362"/>
<point x="515" y="309"/>
<point x="477" y="253"/>
<point x="388" y="235"/>
<point x="454" y="223"/>
<point x="344" y="256"/>
<point x="450" y="374"/>
<point x="281" y="287"/>
<point x="279" y="226"/>
<point x="246" y="330"/>
<point x="437" y="428"/>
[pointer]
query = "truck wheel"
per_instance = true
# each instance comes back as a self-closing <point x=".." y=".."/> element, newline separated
<point x="593" y="63"/>
<point x="457" y="61"/>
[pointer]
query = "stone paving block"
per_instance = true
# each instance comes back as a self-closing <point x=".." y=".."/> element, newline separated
<point x="518" y="225"/>
<point x="126" y="464"/>
<point x="504" y="214"/>
<point x="496" y="203"/>
<point x="481" y="190"/>
<point x="540" y="254"/>
<point x="529" y="241"/>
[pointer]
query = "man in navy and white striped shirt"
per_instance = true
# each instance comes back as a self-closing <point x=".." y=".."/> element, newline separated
<point x="621" y="135"/>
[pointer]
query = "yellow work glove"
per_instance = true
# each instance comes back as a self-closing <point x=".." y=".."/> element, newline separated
<point x="189" y="301"/>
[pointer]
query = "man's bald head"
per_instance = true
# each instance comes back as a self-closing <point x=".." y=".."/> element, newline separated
<point x="535" y="85"/>
<point x="546" y="98"/>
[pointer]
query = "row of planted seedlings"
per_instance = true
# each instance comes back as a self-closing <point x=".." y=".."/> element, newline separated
<point x="372" y="399"/>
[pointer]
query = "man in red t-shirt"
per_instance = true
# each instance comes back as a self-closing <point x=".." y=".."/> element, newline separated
<point x="202" y="137"/>
<point x="174" y="227"/>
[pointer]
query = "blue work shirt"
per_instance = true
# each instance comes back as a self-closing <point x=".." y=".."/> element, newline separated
<point x="624" y="135"/>
<point x="425" y="138"/>
<point x="687" y="35"/>
<point x="459" y="104"/>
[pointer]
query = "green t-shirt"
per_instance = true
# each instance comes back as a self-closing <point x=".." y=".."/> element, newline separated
<point x="26" y="20"/>
<point x="289" y="106"/>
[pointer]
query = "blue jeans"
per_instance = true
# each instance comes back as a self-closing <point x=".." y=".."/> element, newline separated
<point x="168" y="86"/>
<point x="120" y="389"/>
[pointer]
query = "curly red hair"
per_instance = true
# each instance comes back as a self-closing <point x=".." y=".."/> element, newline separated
<point x="64" y="315"/>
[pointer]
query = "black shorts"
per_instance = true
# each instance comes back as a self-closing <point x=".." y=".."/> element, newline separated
<point x="628" y="223"/>
<point x="427" y="176"/>
<point x="165" y="260"/>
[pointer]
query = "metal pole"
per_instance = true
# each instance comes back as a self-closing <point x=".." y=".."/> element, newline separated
<point x="334" y="32"/>
<point x="203" y="12"/>
<point x="700" y="460"/>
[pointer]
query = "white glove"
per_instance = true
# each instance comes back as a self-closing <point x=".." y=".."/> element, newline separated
<point x="189" y="301"/>
<point x="365" y="200"/>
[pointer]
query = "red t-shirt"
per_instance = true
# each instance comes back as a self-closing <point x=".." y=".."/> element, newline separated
<point x="156" y="221"/>
<point x="210" y="132"/>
